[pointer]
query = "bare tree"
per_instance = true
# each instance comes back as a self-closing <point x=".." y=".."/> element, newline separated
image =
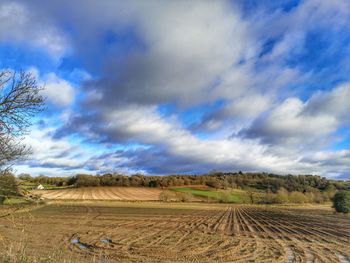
<point x="20" y="100"/>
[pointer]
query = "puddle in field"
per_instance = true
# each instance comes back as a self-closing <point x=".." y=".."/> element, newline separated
<point x="82" y="246"/>
<point x="106" y="241"/>
<point x="343" y="259"/>
<point x="76" y="241"/>
<point x="290" y="255"/>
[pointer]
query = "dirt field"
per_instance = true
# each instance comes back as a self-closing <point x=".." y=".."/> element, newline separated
<point x="102" y="193"/>
<point x="158" y="232"/>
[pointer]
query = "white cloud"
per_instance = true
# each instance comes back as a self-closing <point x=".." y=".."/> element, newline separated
<point x="188" y="53"/>
<point x="311" y="123"/>
<point x="188" y="47"/>
<point x="52" y="156"/>
<point x="145" y="126"/>
<point x="250" y="106"/>
<point x="20" y="25"/>
<point x="335" y="163"/>
<point x="173" y="148"/>
<point x="335" y="102"/>
<point x="44" y="147"/>
<point x="58" y="91"/>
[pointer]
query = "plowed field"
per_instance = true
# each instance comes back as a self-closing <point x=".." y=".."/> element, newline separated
<point x="150" y="232"/>
<point x="101" y="193"/>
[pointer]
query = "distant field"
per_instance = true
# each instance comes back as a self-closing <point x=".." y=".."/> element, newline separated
<point x="199" y="193"/>
<point x="102" y="193"/>
<point x="100" y="231"/>
<point x="231" y="195"/>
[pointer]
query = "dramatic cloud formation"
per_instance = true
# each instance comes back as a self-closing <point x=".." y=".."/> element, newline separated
<point x="59" y="91"/>
<point x="309" y="124"/>
<point x="19" y="24"/>
<point x="185" y="86"/>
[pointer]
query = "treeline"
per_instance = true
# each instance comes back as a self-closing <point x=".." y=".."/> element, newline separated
<point x="8" y="186"/>
<point x="42" y="179"/>
<point x="313" y="195"/>
<point x="217" y="180"/>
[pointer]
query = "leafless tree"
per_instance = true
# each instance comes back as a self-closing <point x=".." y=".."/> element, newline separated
<point x="20" y="100"/>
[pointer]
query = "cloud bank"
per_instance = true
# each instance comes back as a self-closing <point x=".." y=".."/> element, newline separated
<point x="188" y="86"/>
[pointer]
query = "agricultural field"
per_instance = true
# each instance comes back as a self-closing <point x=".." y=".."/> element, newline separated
<point x="100" y="231"/>
<point x="229" y="196"/>
<point x="101" y="193"/>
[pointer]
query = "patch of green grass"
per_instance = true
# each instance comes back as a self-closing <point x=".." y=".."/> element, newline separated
<point x="28" y="186"/>
<point x="231" y="196"/>
<point x="15" y="201"/>
<point x="49" y="186"/>
<point x="31" y="186"/>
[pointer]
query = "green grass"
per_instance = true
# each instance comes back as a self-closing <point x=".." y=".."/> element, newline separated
<point x="232" y="196"/>
<point x="49" y="186"/>
<point x="31" y="186"/>
<point x="15" y="201"/>
<point x="28" y="186"/>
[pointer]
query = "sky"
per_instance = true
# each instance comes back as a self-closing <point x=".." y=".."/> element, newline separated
<point x="164" y="87"/>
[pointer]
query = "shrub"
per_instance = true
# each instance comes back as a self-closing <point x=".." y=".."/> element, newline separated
<point x="297" y="198"/>
<point x="224" y="197"/>
<point x="183" y="197"/>
<point x="213" y="183"/>
<point x="153" y="183"/>
<point x="281" y="196"/>
<point x="251" y="195"/>
<point x="268" y="198"/>
<point x="310" y="197"/>
<point x="330" y="191"/>
<point x="166" y="196"/>
<point x="2" y="199"/>
<point x="320" y="198"/>
<point x="8" y="185"/>
<point x="341" y="201"/>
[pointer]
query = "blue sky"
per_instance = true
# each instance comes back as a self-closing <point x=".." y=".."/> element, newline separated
<point x="161" y="87"/>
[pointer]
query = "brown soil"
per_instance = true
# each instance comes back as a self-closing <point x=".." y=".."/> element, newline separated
<point x="157" y="232"/>
<point x="101" y="193"/>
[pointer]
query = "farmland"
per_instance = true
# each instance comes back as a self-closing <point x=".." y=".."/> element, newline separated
<point x="232" y="195"/>
<point x="198" y="193"/>
<point x="138" y="194"/>
<point x="102" y="193"/>
<point x="176" y="232"/>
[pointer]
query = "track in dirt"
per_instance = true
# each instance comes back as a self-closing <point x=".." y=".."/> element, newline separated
<point x="101" y="193"/>
<point x="207" y="233"/>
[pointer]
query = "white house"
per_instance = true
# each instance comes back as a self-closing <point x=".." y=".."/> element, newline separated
<point x="40" y="187"/>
